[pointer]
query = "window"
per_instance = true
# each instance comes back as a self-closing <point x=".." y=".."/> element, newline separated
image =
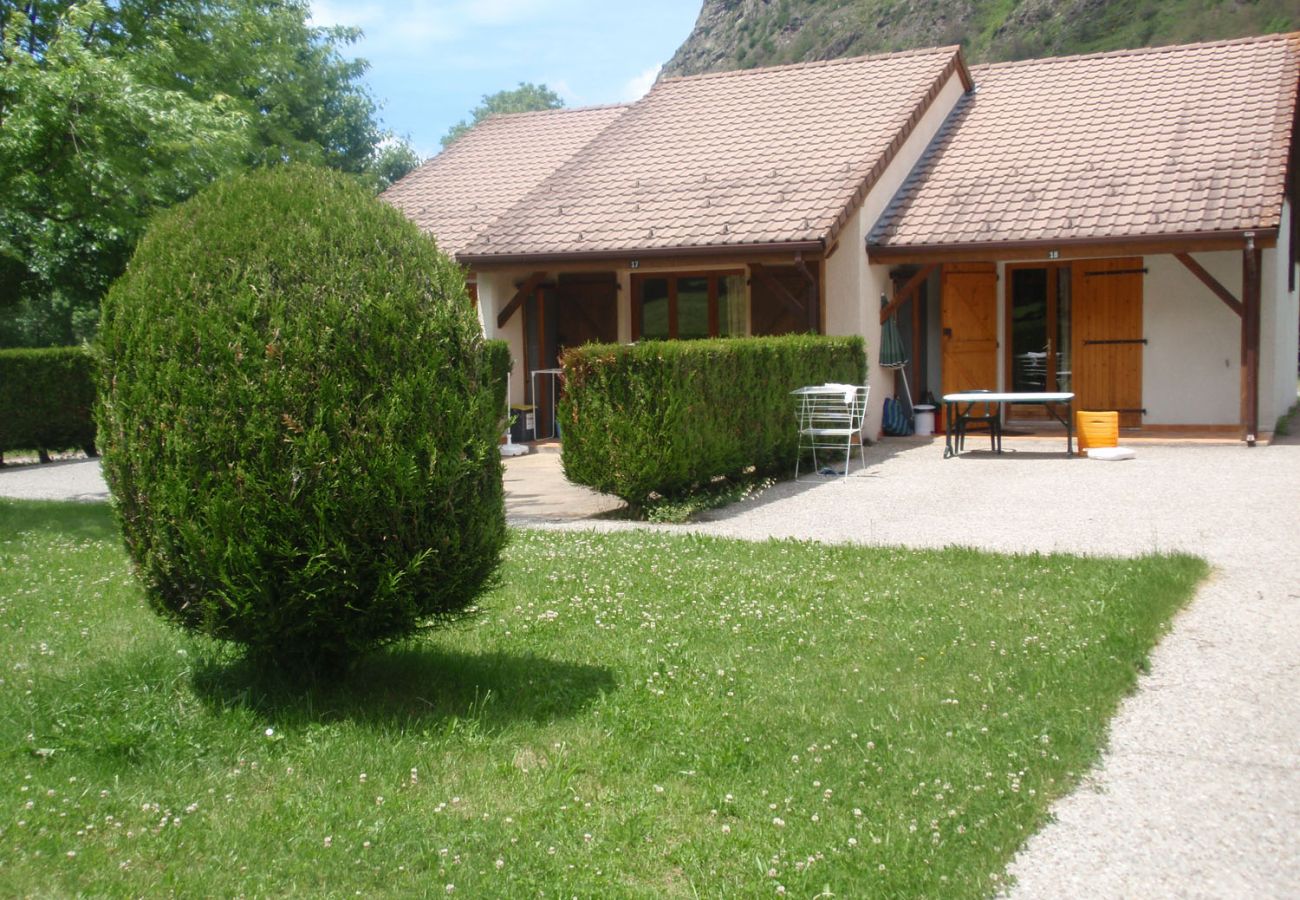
<point x="689" y="305"/>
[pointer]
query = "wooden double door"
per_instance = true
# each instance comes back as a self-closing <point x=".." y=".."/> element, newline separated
<point x="1073" y="326"/>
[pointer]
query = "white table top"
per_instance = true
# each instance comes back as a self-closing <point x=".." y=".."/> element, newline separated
<point x="825" y="389"/>
<point x="1009" y="397"/>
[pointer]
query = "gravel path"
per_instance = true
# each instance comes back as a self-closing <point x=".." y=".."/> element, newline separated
<point x="67" y="479"/>
<point x="1198" y="794"/>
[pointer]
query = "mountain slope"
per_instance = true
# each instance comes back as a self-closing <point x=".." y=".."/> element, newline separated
<point x="739" y="34"/>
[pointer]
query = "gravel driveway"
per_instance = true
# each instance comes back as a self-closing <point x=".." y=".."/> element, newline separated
<point x="67" y="479"/>
<point x="1199" y="792"/>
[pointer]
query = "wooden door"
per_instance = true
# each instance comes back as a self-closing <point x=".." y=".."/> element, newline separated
<point x="1107" y="342"/>
<point x="969" y="322"/>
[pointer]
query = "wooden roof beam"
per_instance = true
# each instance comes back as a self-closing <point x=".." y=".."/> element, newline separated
<point x="1211" y="282"/>
<point x="522" y="293"/>
<point x="906" y="292"/>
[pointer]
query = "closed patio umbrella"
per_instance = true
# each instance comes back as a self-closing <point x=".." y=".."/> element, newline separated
<point x="893" y="353"/>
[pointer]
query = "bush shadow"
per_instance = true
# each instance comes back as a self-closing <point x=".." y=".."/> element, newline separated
<point x="810" y="479"/>
<point x="89" y="521"/>
<point x="408" y="686"/>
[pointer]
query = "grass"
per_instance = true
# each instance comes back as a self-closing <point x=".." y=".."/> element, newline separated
<point x="719" y="492"/>
<point x="632" y="714"/>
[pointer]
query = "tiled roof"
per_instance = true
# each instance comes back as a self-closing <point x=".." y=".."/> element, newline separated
<point x="752" y="157"/>
<point x="464" y="189"/>
<point x="1143" y="143"/>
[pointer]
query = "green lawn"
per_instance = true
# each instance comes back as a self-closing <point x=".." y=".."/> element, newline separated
<point x="631" y="715"/>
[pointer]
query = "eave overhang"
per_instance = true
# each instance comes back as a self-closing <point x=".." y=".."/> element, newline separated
<point x="488" y="261"/>
<point x="1072" y="248"/>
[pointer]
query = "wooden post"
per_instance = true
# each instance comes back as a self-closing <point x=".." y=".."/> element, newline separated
<point x="1250" y="327"/>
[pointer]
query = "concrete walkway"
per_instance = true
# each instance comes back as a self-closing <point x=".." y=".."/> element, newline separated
<point x="1198" y="794"/>
<point x="536" y="490"/>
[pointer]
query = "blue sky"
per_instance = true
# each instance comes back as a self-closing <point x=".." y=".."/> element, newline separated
<point x="432" y="62"/>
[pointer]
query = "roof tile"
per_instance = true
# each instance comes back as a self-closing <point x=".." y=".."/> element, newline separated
<point x="1160" y="141"/>
<point x="461" y="191"/>
<point x="756" y="156"/>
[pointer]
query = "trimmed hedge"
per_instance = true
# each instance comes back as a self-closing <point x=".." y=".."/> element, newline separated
<point x="664" y="417"/>
<point x="47" y="398"/>
<point x="497" y="357"/>
<point x="300" y="421"/>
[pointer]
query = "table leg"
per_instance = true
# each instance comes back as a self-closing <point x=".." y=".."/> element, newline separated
<point x="537" y="408"/>
<point x="1069" y="428"/>
<point x="947" y="430"/>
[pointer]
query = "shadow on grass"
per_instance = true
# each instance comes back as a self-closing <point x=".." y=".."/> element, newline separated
<point x="89" y="521"/>
<point x="410" y="686"/>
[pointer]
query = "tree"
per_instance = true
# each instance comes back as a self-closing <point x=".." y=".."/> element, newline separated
<point x="393" y="158"/>
<point x="87" y="148"/>
<point x="527" y="97"/>
<point x="111" y="111"/>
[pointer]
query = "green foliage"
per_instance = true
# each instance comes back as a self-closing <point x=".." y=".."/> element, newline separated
<point x="498" y="362"/>
<point x="733" y="36"/>
<point x="297" y="420"/>
<point x="527" y="97"/>
<point x="88" y="147"/>
<point x="664" y="417"/>
<point x="392" y="159"/>
<point x="112" y="111"/>
<point x="46" y="399"/>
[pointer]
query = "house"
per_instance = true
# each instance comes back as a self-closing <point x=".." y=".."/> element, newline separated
<point x="1116" y="224"/>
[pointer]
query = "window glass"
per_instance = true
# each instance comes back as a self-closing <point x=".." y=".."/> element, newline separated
<point x="692" y="308"/>
<point x="654" y="309"/>
<point x="1029" y="329"/>
<point x="732" y="318"/>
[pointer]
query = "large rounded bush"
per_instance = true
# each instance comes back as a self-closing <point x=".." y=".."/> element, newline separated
<point x="297" y="420"/>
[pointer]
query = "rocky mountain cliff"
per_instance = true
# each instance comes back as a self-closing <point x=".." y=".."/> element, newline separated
<point x="741" y="34"/>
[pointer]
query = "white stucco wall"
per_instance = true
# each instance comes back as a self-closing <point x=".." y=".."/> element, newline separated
<point x="1191" y="367"/>
<point x="853" y="285"/>
<point x="494" y="291"/>
<point x="1279" y="323"/>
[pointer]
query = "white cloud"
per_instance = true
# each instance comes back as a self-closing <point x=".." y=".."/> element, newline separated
<point x="393" y="26"/>
<point x="355" y="15"/>
<point x="562" y="87"/>
<point x="636" y="87"/>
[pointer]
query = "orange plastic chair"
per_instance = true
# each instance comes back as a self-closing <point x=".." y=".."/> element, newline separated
<point x="1096" y="429"/>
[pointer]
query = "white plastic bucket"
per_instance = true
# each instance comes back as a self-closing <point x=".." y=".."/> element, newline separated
<point x="924" y="420"/>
